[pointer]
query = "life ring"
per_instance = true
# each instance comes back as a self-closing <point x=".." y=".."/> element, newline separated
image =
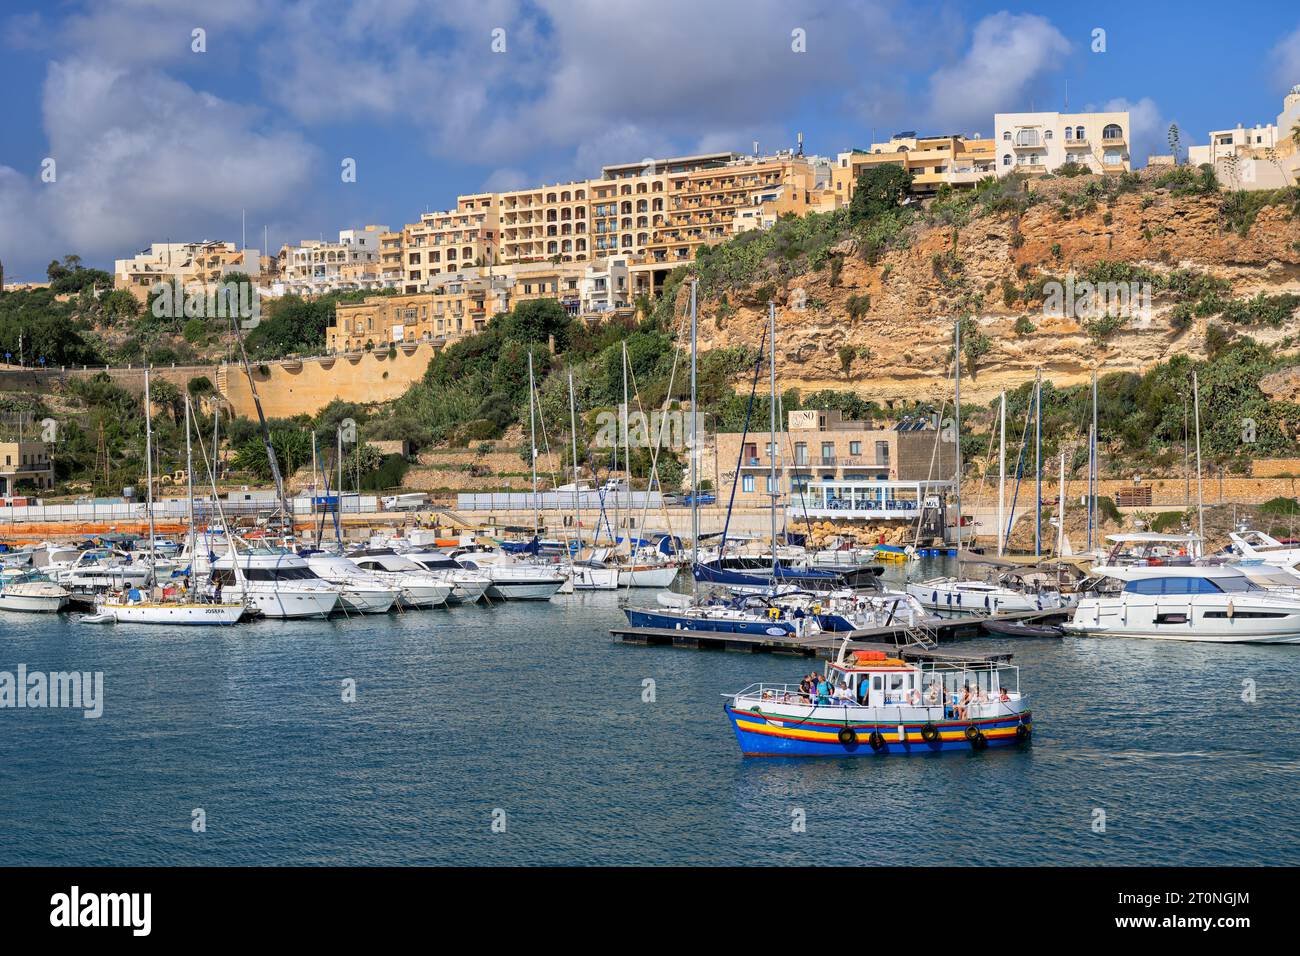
<point x="930" y="733"/>
<point x="816" y="608"/>
<point x="774" y="613"/>
<point x="877" y="741"/>
<point x="1022" y="732"/>
<point x="848" y="736"/>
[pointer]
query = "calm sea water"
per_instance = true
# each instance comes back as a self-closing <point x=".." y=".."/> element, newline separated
<point x="532" y="711"/>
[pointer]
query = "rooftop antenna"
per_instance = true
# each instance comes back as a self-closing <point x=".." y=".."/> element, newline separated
<point x="1066" y="109"/>
<point x="801" y="144"/>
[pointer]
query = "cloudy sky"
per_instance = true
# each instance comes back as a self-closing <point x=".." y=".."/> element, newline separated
<point x="152" y="139"/>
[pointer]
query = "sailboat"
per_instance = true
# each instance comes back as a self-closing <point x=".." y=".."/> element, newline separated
<point x="133" y="606"/>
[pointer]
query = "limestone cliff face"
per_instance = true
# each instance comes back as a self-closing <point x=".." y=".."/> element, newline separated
<point x="902" y="345"/>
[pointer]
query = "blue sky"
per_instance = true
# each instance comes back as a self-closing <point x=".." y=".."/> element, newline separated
<point x="152" y="140"/>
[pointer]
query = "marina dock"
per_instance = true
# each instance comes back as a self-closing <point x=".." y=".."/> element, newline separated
<point x="896" y="640"/>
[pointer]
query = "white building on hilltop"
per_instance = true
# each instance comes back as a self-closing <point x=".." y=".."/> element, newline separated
<point x="1258" y="157"/>
<point x="1038" y="143"/>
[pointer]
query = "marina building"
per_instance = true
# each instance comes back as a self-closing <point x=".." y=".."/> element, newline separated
<point x="1038" y="143"/>
<point x="825" y="462"/>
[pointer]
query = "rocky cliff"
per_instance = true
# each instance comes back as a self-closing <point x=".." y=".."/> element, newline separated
<point x="899" y="347"/>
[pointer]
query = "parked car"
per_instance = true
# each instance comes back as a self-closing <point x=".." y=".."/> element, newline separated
<point x="703" y="498"/>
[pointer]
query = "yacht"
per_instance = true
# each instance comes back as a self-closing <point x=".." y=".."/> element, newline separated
<point x="1210" y="603"/>
<point x="512" y="579"/>
<point x="418" y="587"/>
<point x="98" y="569"/>
<point x="1008" y="593"/>
<point x="30" y="590"/>
<point x="274" y="580"/>
<point x="467" y="587"/>
<point x="363" y="591"/>
<point x="134" y="606"/>
<point x="1260" y="548"/>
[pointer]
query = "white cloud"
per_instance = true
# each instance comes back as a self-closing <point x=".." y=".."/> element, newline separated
<point x="141" y="157"/>
<point x="1008" y="54"/>
<point x="1285" y="59"/>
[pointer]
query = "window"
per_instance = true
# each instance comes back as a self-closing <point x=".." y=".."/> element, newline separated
<point x="1047" y="135"/>
<point x="1006" y="135"/>
<point x="828" y="451"/>
<point x="1112" y="131"/>
<point x="1078" y="133"/>
<point x="1112" y="158"/>
<point x="1006" y="160"/>
<point x="855" y="448"/>
<point x="747" y="483"/>
<point x="800" y="453"/>
<point x="1069" y="133"/>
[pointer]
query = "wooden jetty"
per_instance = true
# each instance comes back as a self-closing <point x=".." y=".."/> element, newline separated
<point x="898" y="640"/>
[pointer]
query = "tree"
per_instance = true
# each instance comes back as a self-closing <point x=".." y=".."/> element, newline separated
<point x="880" y="189"/>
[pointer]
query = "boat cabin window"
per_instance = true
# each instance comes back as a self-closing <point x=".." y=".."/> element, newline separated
<point x="1182" y="585"/>
<point x="279" y="574"/>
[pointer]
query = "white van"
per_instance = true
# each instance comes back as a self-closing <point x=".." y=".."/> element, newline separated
<point x="409" y="502"/>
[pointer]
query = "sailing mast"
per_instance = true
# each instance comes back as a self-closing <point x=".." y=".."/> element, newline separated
<point x="771" y="451"/>
<point x="532" y="440"/>
<point x="1200" y="501"/>
<point x="695" y="450"/>
<point x="957" y="420"/>
<point x="1094" y="466"/>
<point x="627" y="455"/>
<point x="1002" y="466"/>
<point x="1060" y="512"/>
<point x="1038" y="463"/>
<point x="577" y="488"/>
<point x="148" y="472"/>
<point x="189" y="501"/>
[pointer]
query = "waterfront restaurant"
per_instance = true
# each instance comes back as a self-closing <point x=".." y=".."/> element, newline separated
<point x="881" y="500"/>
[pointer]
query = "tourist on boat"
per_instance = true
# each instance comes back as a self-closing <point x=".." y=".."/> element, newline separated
<point x="963" y="703"/>
<point x="799" y="617"/>
<point x="1003" y="696"/>
<point x="824" y="691"/>
<point x="843" y="695"/>
<point x="864" y="690"/>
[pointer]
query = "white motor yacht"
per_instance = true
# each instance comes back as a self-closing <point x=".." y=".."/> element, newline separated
<point x="1211" y="603"/>
<point x="468" y="586"/>
<point x="363" y="591"/>
<point x="30" y="590"/>
<point x="276" y="581"/>
<point x="418" y="587"/>
<point x="512" y="579"/>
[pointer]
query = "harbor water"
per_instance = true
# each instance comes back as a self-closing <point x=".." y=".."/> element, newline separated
<point x="522" y="734"/>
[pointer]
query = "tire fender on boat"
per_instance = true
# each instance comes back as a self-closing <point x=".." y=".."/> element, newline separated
<point x="848" y="736"/>
<point x="877" y="741"/>
<point x="1023" y="732"/>
<point x="976" y="737"/>
<point x="930" y="733"/>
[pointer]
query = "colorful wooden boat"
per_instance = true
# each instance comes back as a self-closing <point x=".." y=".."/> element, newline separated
<point x="880" y="705"/>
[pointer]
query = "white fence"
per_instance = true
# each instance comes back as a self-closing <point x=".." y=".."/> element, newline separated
<point x="173" y="510"/>
<point x="560" y="501"/>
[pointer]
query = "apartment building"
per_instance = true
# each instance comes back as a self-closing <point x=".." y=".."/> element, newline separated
<point x="447" y="242"/>
<point x="548" y="223"/>
<point x="24" y="462"/>
<point x="1258" y="157"/>
<point x="315" y="267"/>
<point x="452" y="306"/>
<point x="192" y="262"/>
<point x="933" y="161"/>
<point x="1038" y="143"/>
<point x="704" y="199"/>
<point x="820" y="447"/>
